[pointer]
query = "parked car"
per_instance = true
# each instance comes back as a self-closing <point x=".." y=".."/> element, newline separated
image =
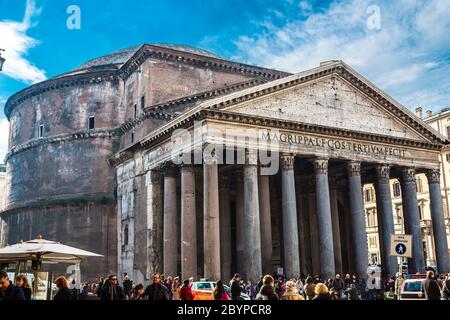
<point x="412" y="287"/>
<point x="203" y="290"/>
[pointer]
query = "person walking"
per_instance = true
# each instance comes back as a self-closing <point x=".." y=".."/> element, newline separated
<point x="64" y="293"/>
<point x="176" y="288"/>
<point x="299" y="286"/>
<point x="431" y="287"/>
<point x="352" y="293"/>
<point x="8" y="290"/>
<point x="99" y="287"/>
<point x="219" y="292"/>
<point x="347" y="280"/>
<point x="156" y="290"/>
<point x="267" y="291"/>
<point x="22" y="281"/>
<point x="446" y="288"/>
<point x="138" y="293"/>
<point x="371" y="286"/>
<point x="127" y="286"/>
<point x="309" y="288"/>
<point x="235" y="287"/>
<point x="111" y="290"/>
<point x="185" y="292"/>
<point x="291" y="292"/>
<point x="321" y="292"/>
<point x="338" y="286"/>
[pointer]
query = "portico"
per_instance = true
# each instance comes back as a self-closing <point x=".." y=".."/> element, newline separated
<point x="282" y="167"/>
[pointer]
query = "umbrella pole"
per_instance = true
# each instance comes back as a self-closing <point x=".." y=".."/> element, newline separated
<point x="35" y="285"/>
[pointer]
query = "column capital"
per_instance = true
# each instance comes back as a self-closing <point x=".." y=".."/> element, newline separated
<point x="354" y="168"/>
<point x="251" y="157"/>
<point x="168" y="168"/>
<point x="383" y="170"/>
<point x="287" y="161"/>
<point x="408" y="174"/>
<point x="433" y="176"/>
<point x="186" y="167"/>
<point x="320" y="165"/>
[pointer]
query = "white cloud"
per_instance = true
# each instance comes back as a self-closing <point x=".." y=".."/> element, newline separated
<point x="4" y="134"/>
<point x="406" y="57"/>
<point x="17" y="44"/>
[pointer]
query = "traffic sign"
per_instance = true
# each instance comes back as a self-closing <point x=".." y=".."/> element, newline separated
<point x="401" y="245"/>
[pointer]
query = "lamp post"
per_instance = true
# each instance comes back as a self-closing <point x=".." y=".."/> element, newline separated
<point x="2" y="60"/>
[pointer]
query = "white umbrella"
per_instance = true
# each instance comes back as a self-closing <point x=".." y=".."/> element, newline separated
<point x="45" y="251"/>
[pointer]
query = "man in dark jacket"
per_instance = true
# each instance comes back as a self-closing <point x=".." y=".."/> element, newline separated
<point x="9" y="291"/>
<point x="235" y="287"/>
<point x="127" y="286"/>
<point x="338" y="285"/>
<point x="112" y="291"/>
<point x="156" y="291"/>
<point x="431" y="287"/>
<point x="100" y="287"/>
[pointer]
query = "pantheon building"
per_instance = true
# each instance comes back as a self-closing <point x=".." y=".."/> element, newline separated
<point x="167" y="158"/>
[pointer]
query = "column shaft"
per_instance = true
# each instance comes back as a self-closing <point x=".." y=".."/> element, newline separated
<point x="240" y="246"/>
<point x="225" y="228"/>
<point x="211" y="223"/>
<point x="412" y="219"/>
<point x="437" y="217"/>
<point x="289" y="210"/>
<point x="359" y="235"/>
<point x="188" y="224"/>
<point x="252" y="235"/>
<point x="385" y="220"/>
<point x="170" y="222"/>
<point x="266" y="224"/>
<point x="324" y="221"/>
<point x="336" y="228"/>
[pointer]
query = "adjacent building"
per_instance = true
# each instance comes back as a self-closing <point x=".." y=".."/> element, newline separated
<point x="441" y="123"/>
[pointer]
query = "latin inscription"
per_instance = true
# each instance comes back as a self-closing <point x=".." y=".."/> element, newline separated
<point x="333" y="144"/>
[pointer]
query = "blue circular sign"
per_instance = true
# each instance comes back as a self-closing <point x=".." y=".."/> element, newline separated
<point x="400" y="248"/>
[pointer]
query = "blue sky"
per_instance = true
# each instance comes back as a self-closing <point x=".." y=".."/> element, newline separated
<point x="402" y="46"/>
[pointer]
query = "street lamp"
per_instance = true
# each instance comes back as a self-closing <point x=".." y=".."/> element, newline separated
<point x="1" y="59"/>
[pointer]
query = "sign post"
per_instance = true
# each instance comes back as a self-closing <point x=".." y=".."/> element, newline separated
<point x="401" y="246"/>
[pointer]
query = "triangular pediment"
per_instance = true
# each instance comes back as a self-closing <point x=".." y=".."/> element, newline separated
<point x="332" y="96"/>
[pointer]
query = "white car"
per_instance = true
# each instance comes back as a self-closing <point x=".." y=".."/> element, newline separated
<point x="203" y="290"/>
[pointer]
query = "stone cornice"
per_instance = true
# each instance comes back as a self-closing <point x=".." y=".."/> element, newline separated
<point x="173" y="55"/>
<point x="161" y="135"/>
<point x="58" y="83"/>
<point x="159" y="111"/>
<point x="87" y="134"/>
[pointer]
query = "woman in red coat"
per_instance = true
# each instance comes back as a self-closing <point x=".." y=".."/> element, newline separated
<point x="185" y="291"/>
<point x="219" y="292"/>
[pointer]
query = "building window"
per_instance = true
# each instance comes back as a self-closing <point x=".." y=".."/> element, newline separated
<point x="396" y="187"/>
<point x="419" y="185"/>
<point x="125" y="235"/>
<point x="143" y="102"/>
<point x="420" y="212"/>
<point x="91" y="123"/>
<point x="368" y="195"/>
<point x="132" y="136"/>
<point x="41" y="131"/>
<point x="135" y="111"/>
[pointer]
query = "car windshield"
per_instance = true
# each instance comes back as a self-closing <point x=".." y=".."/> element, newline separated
<point x="413" y="286"/>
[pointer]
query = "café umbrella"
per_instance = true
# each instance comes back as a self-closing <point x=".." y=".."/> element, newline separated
<point x="42" y="251"/>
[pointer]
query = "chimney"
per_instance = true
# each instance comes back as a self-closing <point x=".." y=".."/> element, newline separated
<point x="419" y="112"/>
<point x="429" y="113"/>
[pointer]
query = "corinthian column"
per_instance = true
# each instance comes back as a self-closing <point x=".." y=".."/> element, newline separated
<point x="170" y="220"/>
<point x="437" y="217"/>
<point x="252" y="236"/>
<point x="225" y="227"/>
<point x="359" y="236"/>
<point x="324" y="221"/>
<point x="385" y="220"/>
<point x="412" y="219"/>
<point x="290" y="228"/>
<point x="211" y="224"/>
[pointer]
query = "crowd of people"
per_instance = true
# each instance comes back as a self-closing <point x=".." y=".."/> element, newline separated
<point x="269" y="287"/>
